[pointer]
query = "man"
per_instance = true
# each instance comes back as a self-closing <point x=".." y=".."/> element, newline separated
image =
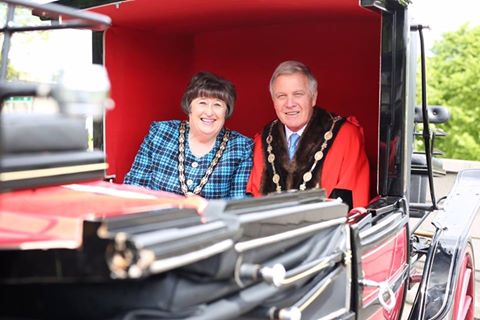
<point x="308" y="147"/>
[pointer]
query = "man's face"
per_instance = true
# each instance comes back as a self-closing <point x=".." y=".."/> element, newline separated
<point x="293" y="100"/>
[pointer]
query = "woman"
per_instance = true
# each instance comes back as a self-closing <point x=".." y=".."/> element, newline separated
<point x="198" y="156"/>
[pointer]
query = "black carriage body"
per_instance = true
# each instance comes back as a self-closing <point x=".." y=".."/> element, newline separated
<point x="339" y="264"/>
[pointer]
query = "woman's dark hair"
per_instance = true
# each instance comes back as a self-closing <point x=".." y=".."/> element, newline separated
<point x="209" y="85"/>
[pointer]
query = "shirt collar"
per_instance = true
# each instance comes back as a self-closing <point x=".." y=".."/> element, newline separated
<point x="289" y="132"/>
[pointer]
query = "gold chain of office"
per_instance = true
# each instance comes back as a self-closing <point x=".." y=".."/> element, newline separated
<point x="211" y="167"/>
<point x="307" y="176"/>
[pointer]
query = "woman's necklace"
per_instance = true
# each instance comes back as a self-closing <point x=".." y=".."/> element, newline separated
<point x="307" y="176"/>
<point x="211" y="167"/>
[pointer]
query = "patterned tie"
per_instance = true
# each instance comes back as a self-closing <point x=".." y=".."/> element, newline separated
<point x="292" y="144"/>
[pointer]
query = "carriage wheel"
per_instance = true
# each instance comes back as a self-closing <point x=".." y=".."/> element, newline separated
<point x="464" y="303"/>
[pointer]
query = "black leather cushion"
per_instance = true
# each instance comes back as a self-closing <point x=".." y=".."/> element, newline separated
<point x="436" y="114"/>
<point x="26" y="133"/>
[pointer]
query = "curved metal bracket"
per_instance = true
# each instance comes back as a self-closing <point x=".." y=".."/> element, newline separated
<point x="383" y="290"/>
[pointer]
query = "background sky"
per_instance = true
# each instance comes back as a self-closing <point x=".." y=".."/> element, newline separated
<point x="443" y="16"/>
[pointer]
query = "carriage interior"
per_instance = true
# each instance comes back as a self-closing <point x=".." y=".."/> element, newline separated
<point x="154" y="47"/>
<point x="151" y="51"/>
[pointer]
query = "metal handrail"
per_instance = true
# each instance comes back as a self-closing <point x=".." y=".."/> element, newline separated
<point x="90" y="20"/>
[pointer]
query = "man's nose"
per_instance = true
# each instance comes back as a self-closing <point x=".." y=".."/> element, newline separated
<point x="291" y="102"/>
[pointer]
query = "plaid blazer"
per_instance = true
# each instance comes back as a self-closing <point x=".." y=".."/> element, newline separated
<point x="156" y="163"/>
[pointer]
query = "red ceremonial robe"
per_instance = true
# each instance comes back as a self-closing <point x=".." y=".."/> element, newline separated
<point x="345" y="165"/>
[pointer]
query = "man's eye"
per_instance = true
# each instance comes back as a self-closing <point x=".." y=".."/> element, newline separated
<point x="298" y="94"/>
<point x="281" y="96"/>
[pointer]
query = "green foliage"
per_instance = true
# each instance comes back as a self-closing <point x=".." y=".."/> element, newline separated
<point x="453" y="80"/>
<point x="22" y="17"/>
<point x="12" y="74"/>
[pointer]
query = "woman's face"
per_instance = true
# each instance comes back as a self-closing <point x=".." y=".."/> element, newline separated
<point x="207" y="116"/>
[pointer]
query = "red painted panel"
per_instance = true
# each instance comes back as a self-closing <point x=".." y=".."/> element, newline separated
<point x="463" y="305"/>
<point x="52" y="217"/>
<point x="385" y="262"/>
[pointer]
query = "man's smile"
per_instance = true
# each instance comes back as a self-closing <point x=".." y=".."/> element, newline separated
<point x="292" y="113"/>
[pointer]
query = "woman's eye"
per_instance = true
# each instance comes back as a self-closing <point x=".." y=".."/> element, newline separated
<point x="202" y="102"/>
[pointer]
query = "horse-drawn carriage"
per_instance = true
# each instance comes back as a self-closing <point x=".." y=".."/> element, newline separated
<point x="75" y="246"/>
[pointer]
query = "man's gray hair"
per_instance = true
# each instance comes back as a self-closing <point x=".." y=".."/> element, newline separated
<point x="291" y="67"/>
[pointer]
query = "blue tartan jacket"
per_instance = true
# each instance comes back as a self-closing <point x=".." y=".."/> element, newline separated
<point x="156" y="163"/>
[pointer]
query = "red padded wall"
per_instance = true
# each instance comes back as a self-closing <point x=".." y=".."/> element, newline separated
<point x="149" y="73"/>
<point x="344" y="56"/>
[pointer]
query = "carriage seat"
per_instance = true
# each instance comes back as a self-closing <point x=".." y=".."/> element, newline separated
<point x="45" y="149"/>
<point x="419" y="171"/>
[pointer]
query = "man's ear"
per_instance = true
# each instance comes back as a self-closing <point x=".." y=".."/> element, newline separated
<point x="314" y="99"/>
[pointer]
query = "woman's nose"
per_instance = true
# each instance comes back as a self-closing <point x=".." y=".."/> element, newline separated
<point x="209" y="109"/>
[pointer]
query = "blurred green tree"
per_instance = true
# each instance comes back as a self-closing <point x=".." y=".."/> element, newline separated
<point x="12" y="74"/>
<point x="22" y="17"/>
<point x="453" y="80"/>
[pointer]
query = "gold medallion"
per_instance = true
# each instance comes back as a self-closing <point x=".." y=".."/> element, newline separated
<point x="269" y="139"/>
<point x="318" y="155"/>
<point x="276" y="178"/>
<point x="271" y="158"/>
<point x="307" y="176"/>
<point x="328" y="135"/>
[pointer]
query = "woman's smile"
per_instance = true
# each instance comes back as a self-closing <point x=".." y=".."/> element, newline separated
<point x="207" y="117"/>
